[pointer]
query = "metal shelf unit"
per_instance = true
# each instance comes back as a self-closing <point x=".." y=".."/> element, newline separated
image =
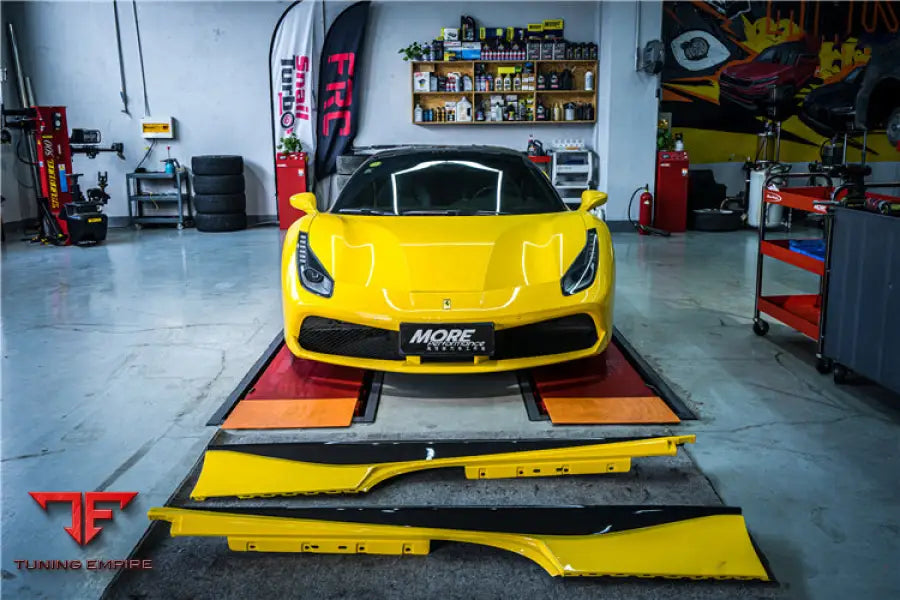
<point x="138" y="197"/>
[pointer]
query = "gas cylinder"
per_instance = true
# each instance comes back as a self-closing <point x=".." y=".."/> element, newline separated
<point x="645" y="217"/>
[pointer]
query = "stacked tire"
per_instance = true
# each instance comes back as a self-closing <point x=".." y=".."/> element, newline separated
<point x="219" y="200"/>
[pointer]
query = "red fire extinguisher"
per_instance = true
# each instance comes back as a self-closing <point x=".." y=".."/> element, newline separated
<point x="644" y="225"/>
<point x="645" y="217"/>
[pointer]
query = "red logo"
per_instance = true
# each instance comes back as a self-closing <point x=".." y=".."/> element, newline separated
<point x="88" y="506"/>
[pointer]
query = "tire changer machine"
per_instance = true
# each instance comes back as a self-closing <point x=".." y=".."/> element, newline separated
<point x="65" y="214"/>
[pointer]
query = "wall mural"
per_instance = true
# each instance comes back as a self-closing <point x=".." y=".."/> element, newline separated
<point x="730" y="65"/>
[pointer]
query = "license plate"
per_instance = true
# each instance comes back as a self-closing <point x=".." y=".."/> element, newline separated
<point x="466" y="339"/>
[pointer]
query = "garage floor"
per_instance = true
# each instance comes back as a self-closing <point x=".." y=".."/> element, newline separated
<point x="114" y="358"/>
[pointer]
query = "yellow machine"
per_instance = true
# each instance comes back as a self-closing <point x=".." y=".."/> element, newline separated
<point x="447" y="260"/>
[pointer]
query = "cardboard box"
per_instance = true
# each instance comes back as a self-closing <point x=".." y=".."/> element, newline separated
<point x="515" y="34"/>
<point x="553" y="28"/>
<point x="490" y="33"/>
<point x="450" y="34"/>
<point x="421" y="81"/>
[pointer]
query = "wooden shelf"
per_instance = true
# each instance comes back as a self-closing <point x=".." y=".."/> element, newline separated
<point x="428" y="123"/>
<point x="431" y="99"/>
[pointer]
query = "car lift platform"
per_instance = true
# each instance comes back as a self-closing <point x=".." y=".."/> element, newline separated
<point x="283" y="392"/>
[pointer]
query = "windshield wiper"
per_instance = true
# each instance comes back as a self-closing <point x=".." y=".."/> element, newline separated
<point x="451" y="212"/>
<point x="362" y="211"/>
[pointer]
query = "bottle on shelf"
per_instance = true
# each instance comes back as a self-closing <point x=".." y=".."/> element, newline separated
<point x="463" y="110"/>
<point x="418" y="113"/>
<point x="507" y="83"/>
<point x="557" y="112"/>
<point x="589" y="81"/>
<point x="498" y="83"/>
<point x="541" y="82"/>
<point x="517" y="83"/>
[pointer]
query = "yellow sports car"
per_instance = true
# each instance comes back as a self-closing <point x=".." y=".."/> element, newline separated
<point x="447" y="260"/>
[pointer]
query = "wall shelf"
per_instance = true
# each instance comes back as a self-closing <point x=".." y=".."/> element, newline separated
<point x="438" y="99"/>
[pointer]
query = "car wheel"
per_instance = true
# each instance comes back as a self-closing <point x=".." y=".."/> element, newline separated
<point x="221" y="222"/>
<point x="893" y="127"/>
<point x="218" y="164"/>
<point x="220" y="203"/>
<point x="218" y="184"/>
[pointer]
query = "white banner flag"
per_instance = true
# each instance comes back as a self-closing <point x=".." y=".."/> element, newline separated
<point x="294" y="63"/>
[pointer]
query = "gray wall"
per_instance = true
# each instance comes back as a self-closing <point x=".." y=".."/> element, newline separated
<point x="206" y="65"/>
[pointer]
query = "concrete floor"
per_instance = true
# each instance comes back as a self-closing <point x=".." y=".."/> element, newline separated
<point x="114" y="357"/>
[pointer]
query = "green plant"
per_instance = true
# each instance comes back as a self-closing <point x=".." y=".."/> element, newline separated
<point x="412" y="52"/>
<point x="290" y="144"/>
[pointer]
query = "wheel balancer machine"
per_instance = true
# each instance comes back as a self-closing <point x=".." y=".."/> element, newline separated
<point x="66" y="216"/>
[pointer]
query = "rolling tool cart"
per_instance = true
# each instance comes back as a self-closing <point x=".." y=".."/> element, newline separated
<point x="802" y="312"/>
<point x="138" y="196"/>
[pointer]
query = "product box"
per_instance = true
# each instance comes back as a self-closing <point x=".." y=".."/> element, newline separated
<point x="553" y="28"/>
<point x="535" y="30"/>
<point x="559" y="50"/>
<point x="490" y="33"/>
<point x="470" y="51"/>
<point x="547" y="50"/>
<point x="450" y="34"/>
<point x="533" y="50"/>
<point x="515" y="34"/>
<point x="421" y="81"/>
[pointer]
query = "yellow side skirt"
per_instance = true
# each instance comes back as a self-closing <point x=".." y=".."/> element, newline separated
<point x="709" y="547"/>
<point x="230" y="473"/>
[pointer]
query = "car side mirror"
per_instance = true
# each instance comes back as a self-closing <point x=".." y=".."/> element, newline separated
<point x="591" y="199"/>
<point x="305" y="202"/>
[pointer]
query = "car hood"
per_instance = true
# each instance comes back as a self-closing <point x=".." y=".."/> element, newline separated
<point x="755" y="71"/>
<point x="447" y="254"/>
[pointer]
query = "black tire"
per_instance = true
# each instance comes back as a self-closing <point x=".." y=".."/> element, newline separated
<point x="824" y="365"/>
<point x="217" y="164"/>
<point x="841" y="374"/>
<point x="892" y="128"/>
<point x="348" y="163"/>
<point x="218" y="184"/>
<point x="222" y="222"/>
<point x="217" y="204"/>
<point x="714" y="219"/>
<point x="760" y="327"/>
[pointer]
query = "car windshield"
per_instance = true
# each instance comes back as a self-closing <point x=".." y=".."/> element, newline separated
<point x="448" y="183"/>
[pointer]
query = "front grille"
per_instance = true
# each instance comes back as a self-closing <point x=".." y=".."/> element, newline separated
<point x="329" y="336"/>
<point x="566" y="334"/>
<point x="734" y="81"/>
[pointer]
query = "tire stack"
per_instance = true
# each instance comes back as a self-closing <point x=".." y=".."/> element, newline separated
<point x="219" y="200"/>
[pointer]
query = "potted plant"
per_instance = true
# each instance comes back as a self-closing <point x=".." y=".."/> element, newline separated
<point x="290" y="145"/>
<point x="414" y="51"/>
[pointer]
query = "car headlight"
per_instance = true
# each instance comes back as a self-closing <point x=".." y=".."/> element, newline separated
<point x="583" y="271"/>
<point x="312" y="274"/>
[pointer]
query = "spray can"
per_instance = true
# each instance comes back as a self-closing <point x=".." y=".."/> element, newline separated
<point x="589" y="81"/>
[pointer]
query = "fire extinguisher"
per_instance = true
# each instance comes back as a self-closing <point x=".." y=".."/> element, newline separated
<point x="644" y="225"/>
<point x="645" y="215"/>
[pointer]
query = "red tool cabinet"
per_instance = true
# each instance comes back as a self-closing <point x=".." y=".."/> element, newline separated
<point x="671" y="191"/>
<point x="290" y="179"/>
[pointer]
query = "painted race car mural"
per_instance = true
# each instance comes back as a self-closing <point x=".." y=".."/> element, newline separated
<point x="819" y="68"/>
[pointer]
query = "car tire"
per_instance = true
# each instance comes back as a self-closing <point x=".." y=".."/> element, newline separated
<point x="218" y="184"/>
<point x="893" y="127"/>
<point x="715" y="219"/>
<point x="217" y="164"/>
<point x="220" y="222"/>
<point x="217" y="204"/>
